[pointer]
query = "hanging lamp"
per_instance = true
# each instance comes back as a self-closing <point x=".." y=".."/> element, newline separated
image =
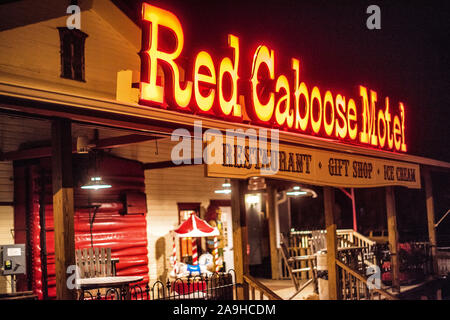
<point x="96" y="182"/>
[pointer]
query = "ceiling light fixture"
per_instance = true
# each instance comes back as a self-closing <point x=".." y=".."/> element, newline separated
<point x="224" y="191"/>
<point x="226" y="187"/>
<point x="96" y="183"/>
<point x="226" y="184"/>
<point x="296" y="193"/>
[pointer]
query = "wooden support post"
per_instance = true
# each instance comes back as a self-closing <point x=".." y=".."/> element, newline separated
<point x="439" y="294"/>
<point x="240" y="236"/>
<point x="431" y="217"/>
<point x="271" y="213"/>
<point x="328" y="195"/>
<point x="393" y="237"/>
<point x="63" y="206"/>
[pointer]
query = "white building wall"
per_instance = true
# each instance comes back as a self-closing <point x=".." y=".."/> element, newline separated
<point x="106" y="52"/>
<point x="165" y="188"/>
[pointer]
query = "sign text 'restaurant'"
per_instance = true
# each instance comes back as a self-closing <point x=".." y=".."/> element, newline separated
<point x="242" y="159"/>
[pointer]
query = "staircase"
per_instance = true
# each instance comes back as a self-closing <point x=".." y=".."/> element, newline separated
<point x="353" y="280"/>
<point x="298" y="245"/>
<point x="351" y="268"/>
<point x="355" y="257"/>
<point x="354" y="286"/>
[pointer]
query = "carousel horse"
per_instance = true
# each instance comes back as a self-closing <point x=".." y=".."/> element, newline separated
<point x="203" y="268"/>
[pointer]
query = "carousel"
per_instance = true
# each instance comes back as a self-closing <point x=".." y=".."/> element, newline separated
<point x="207" y="263"/>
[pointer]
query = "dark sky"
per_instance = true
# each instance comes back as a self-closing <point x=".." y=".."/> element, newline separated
<point x="407" y="60"/>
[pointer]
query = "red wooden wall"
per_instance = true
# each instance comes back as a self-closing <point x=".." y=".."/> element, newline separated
<point x="125" y="234"/>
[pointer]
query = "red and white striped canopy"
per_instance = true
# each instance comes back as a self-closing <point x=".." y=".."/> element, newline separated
<point x="195" y="227"/>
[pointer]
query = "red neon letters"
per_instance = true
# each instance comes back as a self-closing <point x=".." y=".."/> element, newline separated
<point x="213" y="90"/>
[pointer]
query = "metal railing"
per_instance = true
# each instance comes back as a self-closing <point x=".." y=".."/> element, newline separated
<point x="414" y="258"/>
<point x="218" y="286"/>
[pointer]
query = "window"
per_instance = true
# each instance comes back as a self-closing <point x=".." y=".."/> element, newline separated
<point x="72" y="53"/>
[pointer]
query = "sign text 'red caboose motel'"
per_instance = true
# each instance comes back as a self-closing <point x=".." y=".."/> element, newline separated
<point x="213" y="90"/>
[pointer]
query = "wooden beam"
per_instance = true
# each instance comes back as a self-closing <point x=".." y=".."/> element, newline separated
<point x="328" y="197"/>
<point x="393" y="237"/>
<point x="240" y="236"/>
<point x="121" y="141"/>
<point x="63" y="206"/>
<point x="271" y="207"/>
<point x="107" y="143"/>
<point x="24" y="154"/>
<point x="169" y="164"/>
<point x="431" y="218"/>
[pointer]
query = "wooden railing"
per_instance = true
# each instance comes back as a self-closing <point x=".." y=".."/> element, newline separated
<point x="349" y="236"/>
<point x="299" y="239"/>
<point x="353" y="286"/>
<point x="258" y="291"/>
<point x="298" y="245"/>
<point x="443" y="262"/>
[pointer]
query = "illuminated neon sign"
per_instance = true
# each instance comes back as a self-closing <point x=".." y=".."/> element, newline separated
<point x="213" y="89"/>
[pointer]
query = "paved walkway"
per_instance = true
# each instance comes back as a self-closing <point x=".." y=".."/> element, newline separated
<point x="285" y="289"/>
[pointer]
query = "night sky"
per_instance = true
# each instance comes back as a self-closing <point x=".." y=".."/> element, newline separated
<point x="406" y="60"/>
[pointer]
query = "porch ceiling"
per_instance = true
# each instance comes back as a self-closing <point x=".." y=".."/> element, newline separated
<point x="141" y="118"/>
<point x="27" y="138"/>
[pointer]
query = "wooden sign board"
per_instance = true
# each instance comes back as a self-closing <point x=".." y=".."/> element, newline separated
<point x="319" y="167"/>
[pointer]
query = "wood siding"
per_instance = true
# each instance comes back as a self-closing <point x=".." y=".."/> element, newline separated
<point x="30" y="56"/>
<point x="164" y="188"/>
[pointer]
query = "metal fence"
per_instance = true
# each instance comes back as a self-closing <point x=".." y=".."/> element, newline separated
<point x="217" y="286"/>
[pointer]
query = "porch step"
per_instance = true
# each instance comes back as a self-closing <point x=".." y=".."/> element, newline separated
<point x="301" y="270"/>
